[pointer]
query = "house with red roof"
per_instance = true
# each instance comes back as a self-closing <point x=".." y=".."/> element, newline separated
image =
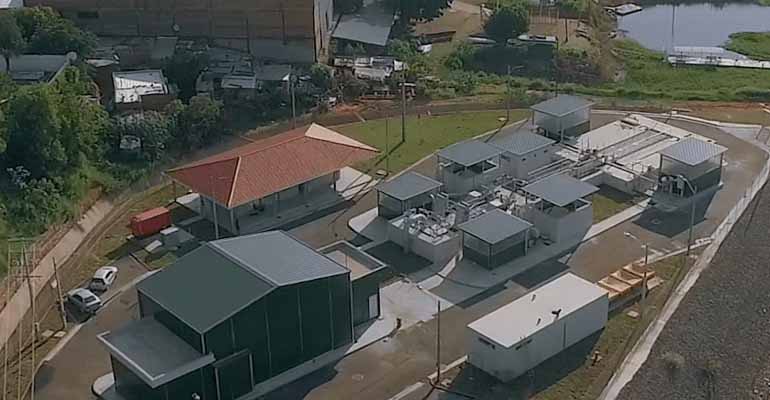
<point x="267" y="183"/>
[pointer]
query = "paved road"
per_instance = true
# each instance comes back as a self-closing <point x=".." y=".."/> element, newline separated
<point x="70" y="374"/>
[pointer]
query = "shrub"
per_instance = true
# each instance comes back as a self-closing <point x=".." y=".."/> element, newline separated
<point x="673" y="362"/>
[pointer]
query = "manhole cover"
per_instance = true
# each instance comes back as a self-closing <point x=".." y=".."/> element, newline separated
<point x="358" y="377"/>
<point x="655" y="221"/>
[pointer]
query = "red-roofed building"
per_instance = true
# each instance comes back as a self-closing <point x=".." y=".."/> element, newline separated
<point x="297" y="169"/>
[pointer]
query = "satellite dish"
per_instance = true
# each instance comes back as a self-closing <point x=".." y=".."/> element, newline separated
<point x="72" y="56"/>
<point x="175" y="28"/>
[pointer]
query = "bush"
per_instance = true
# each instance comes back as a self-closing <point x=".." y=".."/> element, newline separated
<point x="674" y="362"/>
<point x="36" y="205"/>
<point x="507" y="22"/>
<point x="322" y="76"/>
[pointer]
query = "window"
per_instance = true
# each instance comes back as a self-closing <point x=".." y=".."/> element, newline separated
<point x="486" y="342"/>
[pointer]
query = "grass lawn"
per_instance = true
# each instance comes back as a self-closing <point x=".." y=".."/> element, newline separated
<point x="609" y="201"/>
<point x="755" y="45"/>
<point x="424" y="135"/>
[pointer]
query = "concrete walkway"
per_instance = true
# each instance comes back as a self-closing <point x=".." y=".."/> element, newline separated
<point x="15" y="310"/>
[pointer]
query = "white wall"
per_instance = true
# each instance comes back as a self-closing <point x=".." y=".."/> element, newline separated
<point x="507" y="364"/>
<point x="519" y="166"/>
<point x="432" y="251"/>
<point x="562" y="226"/>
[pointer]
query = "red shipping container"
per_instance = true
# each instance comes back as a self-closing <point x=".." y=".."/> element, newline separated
<point x="150" y="222"/>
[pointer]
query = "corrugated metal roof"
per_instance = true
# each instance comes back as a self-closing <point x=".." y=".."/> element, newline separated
<point x="152" y="352"/>
<point x="273" y="72"/>
<point x="469" y="153"/>
<point x="370" y="25"/>
<point x="130" y="86"/>
<point x="520" y="143"/>
<point x="264" y="167"/>
<point x="693" y="151"/>
<point x="525" y="316"/>
<point x="408" y="185"/>
<point x="239" y="82"/>
<point x="560" y="189"/>
<point x="494" y="226"/>
<point x="220" y="278"/>
<point x="561" y="105"/>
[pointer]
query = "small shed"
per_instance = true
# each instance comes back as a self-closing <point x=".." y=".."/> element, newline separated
<point x="404" y="192"/>
<point x="563" y="116"/>
<point x="524" y="152"/>
<point x="562" y="208"/>
<point x="494" y="238"/>
<point x="698" y="161"/>
<point x="468" y="165"/>
<point x="537" y="326"/>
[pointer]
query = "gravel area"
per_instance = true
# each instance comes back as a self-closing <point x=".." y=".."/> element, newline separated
<point x="717" y="344"/>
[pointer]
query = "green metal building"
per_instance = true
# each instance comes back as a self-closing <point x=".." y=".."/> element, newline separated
<point x="229" y="316"/>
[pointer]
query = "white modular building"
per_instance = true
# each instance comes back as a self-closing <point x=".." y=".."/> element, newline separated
<point x="535" y="327"/>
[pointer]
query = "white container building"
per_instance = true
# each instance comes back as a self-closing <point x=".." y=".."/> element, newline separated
<point x="522" y="334"/>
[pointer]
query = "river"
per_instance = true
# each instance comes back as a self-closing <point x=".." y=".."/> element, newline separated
<point x="697" y="24"/>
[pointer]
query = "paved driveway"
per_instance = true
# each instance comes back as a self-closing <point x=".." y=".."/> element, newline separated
<point x="71" y="372"/>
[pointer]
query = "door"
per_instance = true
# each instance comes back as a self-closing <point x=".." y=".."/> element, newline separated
<point x="374" y="306"/>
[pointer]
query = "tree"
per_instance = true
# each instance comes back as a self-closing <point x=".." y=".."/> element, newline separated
<point x="419" y="10"/>
<point x="347" y="6"/>
<point x="322" y="76"/>
<point x="11" y="41"/>
<point x="507" y="22"/>
<point x="48" y="33"/>
<point x="182" y="69"/>
<point x="34" y="127"/>
<point x="152" y="128"/>
<point x="200" y="122"/>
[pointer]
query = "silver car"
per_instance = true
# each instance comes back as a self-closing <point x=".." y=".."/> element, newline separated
<point x="84" y="300"/>
<point x="103" y="278"/>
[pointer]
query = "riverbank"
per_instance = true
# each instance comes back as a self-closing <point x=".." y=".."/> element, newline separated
<point x="755" y="45"/>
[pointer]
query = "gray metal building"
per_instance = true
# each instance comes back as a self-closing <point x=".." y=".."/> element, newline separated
<point x="230" y="315"/>
<point x="468" y="165"/>
<point x="696" y="160"/>
<point x="404" y="192"/>
<point x="563" y="116"/>
<point x="494" y="238"/>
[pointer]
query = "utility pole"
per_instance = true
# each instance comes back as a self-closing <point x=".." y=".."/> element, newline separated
<point x="438" y="342"/>
<point x="62" y="311"/>
<point x="403" y="108"/>
<point x="293" y="102"/>
<point x="508" y="96"/>
<point x="387" y="147"/>
<point x="27" y="268"/>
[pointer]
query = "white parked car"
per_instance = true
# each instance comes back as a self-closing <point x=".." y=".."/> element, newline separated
<point x="84" y="300"/>
<point x="103" y="278"/>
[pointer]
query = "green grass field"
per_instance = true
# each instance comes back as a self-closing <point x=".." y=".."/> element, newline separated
<point x="648" y="75"/>
<point x="608" y="202"/>
<point x="424" y="135"/>
<point x="755" y="45"/>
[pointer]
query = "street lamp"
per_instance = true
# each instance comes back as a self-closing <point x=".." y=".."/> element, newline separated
<point x="646" y="252"/>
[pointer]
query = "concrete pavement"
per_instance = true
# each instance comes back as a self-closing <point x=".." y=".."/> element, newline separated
<point x="72" y="368"/>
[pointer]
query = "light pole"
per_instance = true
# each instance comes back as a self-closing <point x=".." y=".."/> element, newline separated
<point x="693" y="190"/>
<point x="646" y="252"/>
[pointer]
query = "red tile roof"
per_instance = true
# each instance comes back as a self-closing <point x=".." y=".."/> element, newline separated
<point x="267" y="166"/>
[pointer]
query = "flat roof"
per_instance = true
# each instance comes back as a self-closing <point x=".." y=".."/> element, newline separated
<point x="359" y="262"/>
<point x="371" y="24"/>
<point x="525" y="316"/>
<point x="408" y="185"/>
<point x="560" y="189"/>
<point x="693" y="151"/>
<point x="520" y="143"/>
<point x="152" y="352"/>
<point x="494" y="226"/>
<point x="469" y="152"/>
<point x="561" y="105"/>
<point x="130" y="86"/>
